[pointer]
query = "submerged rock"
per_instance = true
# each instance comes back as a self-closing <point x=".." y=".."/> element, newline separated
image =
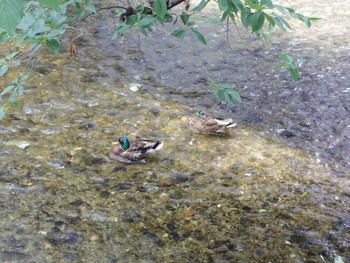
<point x="123" y="186"/>
<point x="13" y="256"/>
<point x="119" y="169"/>
<point x="286" y="133"/>
<point x="19" y="144"/>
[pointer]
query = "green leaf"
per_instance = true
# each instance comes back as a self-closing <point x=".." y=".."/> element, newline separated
<point x="32" y="41"/>
<point x="280" y="8"/>
<point x="11" y="13"/>
<point x="294" y="73"/>
<point x="267" y="3"/>
<point x="283" y="21"/>
<point x="54" y="4"/>
<point x="91" y="8"/>
<point x="56" y="32"/>
<point x="27" y="21"/>
<point x="279" y="24"/>
<point x="270" y="20"/>
<point x="224" y="16"/>
<point x="225" y="92"/>
<point x="56" y="18"/>
<point x="232" y="8"/>
<point x="228" y="98"/>
<point x="246" y="18"/>
<point x="257" y="19"/>
<point x="235" y="95"/>
<point x="16" y="105"/>
<point x="24" y="78"/>
<point x="191" y="23"/>
<point x="185" y="18"/>
<point x="160" y="8"/>
<point x="39" y="27"/>
<point x="232" y="16"/>
<point x="219" y="95"/>
<point x="306" y="21"/>
<point x="200" y="6"/>
<point x="2" y="113"/>
<point x="12" y="55"/>
<point x="3" y="70"/>
<point x="253" y="4"/>
<point x="199" y="37"/>
<point x="223" y="5"/>
<point x="7" y="90"/>
<point x="314" y="18"/>
<point x="179" y="33"/>
<point x="143" y="31"/>
<point x="139" y="8"/>
<point x="147" y="21"/>
<point x="3" y="35"/>
<point x="286" y="58"/>
<point x="121" y="30"/>
<point x="291" y="12"/>
<point x="131" y="20"/>
<point x="282" y="65"/>
<point x="238" y="4"/>
<point x="53" y="45"/>
<point x="20" y="90"/>
<point x="168" y="18"/>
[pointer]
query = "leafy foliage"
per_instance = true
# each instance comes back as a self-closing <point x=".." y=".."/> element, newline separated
<point x="34" y="24"/>
<point x="199" y="36"/>
<point x="160" y="9"/>
<point x="225" y="92"/>
<point x="253" y="14"/>
<point x="287" y="62"/>
<point x="40" y="23"/>
<point x="54" y="4"/>
<point x="11" y="13"/>
<point x="180" y="33"/>
<point x="15" y="89"/>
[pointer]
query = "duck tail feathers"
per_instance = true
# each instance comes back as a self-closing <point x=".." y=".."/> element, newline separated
<point x="228" y="123"/>
<point x="231" y="125"/>
<point x="157" y="146"/>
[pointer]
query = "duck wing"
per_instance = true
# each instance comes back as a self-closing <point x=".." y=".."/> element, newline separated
<point x="145" y="146"/>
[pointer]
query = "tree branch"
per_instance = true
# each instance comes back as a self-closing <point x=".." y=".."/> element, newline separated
<point x="98" y="10"/>
<point x="129" y="10"/>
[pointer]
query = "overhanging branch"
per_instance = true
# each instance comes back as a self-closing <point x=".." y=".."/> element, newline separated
<point x="129" y="11"/>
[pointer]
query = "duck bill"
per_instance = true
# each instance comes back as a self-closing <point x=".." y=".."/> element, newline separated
<point x="115" y="143"/>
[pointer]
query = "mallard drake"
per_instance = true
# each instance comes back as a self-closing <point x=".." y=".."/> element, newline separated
<point x="133" y="151"/>
<point x="202" y="123"/>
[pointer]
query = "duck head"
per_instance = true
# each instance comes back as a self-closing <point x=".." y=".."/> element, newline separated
<point x="200" y="114"/>
<point x="124" y="143"/>
<point x="121" y="145"/>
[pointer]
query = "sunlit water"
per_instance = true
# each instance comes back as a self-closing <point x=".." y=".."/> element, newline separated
<point x="240" y="198"/>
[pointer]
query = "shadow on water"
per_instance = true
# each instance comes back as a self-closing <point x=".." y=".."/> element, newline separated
<point x="248" y="197"/>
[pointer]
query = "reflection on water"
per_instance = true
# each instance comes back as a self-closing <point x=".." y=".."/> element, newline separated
<point x="240" y="198"/>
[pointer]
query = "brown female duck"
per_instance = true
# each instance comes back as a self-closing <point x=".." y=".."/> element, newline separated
<point x="204" y="124"/>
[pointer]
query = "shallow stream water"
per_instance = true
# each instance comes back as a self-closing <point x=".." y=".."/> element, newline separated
<point x="252" y="196"/>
